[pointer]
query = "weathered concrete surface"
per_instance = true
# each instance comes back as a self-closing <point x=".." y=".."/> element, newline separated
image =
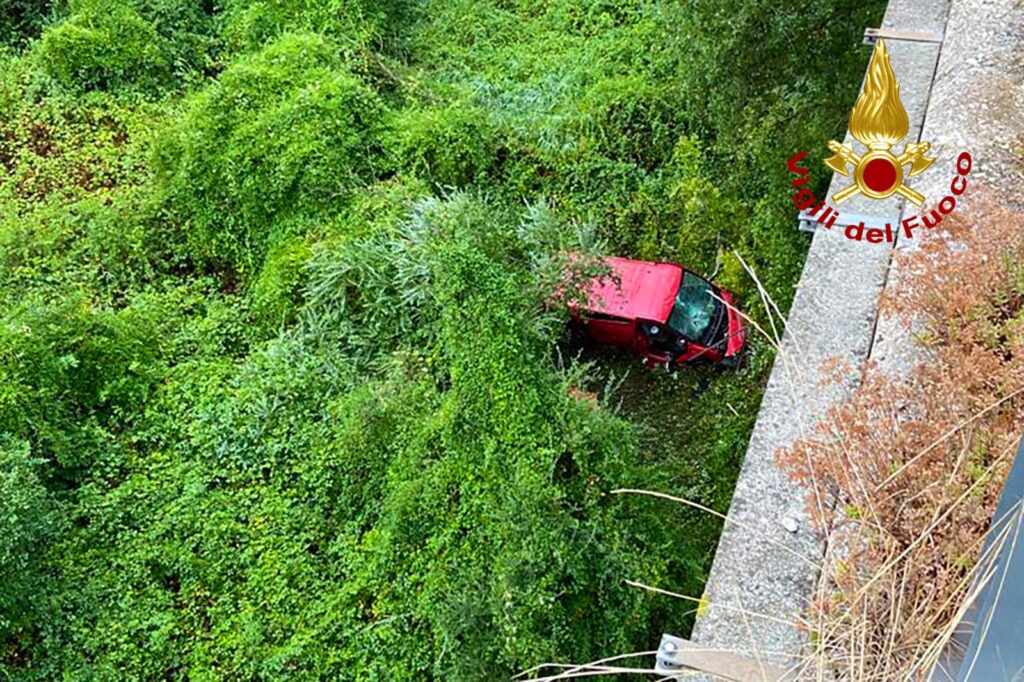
<point x="763" y="573"/>
<point x="976" y="105"/>
<point x="758" y="567"/>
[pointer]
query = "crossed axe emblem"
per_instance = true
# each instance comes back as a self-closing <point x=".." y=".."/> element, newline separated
<point x="879" y="173"/>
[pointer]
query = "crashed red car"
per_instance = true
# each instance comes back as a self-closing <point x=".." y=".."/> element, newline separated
<point x="661" y="312"/>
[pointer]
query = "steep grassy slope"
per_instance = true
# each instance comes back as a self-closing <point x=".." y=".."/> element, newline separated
<point x="277" y="397"/>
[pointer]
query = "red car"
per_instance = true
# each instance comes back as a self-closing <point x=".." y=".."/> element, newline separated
<point x="661" y="312"/>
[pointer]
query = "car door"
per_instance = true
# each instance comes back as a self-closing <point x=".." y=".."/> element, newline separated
<point x="609" y="330"/>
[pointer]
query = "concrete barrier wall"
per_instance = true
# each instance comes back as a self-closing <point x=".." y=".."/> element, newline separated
<point x="763" y="572"/>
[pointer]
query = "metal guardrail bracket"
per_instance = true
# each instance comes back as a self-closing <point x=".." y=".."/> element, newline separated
<point x="809" y="223"/>
<point x="677" y="656"/>
<point x="871" y="36"/>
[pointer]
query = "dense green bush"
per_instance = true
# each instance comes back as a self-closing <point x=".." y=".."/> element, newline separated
<point x="28" y="521"/>
<point x="354" y="24"/>
<point x="629" y="118"/>
<point x="71" y="376"/>
<point x="103" y="45"/>
<point x="286" y="130"/>
<point x="187" y="33"/>
<point x="135" y="45"/>
<point x="453" y="146"/>
<point x="278" y="290"/>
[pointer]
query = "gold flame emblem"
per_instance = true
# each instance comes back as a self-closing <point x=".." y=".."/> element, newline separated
<point x="879" y="121"/>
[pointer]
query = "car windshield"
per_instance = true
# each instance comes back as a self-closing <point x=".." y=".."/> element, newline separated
<point x="695" y="309"/>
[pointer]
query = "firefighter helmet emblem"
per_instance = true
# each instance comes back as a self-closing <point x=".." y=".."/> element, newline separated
<point x="879" y="121"/>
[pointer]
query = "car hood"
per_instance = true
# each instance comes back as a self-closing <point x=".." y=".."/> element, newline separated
<point x="635" y="289"/>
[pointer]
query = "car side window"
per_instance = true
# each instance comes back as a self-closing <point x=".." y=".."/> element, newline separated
<point x="663" y="339"/>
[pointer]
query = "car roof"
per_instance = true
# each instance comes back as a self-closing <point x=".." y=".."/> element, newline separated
<point x="635" y="289"/>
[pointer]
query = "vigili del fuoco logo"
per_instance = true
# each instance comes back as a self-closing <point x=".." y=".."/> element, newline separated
<point x="879" y="122"/>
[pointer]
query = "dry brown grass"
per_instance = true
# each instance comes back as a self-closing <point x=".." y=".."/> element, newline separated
<point x="914" y="463"/>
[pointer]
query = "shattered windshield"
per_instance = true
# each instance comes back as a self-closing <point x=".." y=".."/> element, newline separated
<point x="695" y="309"/>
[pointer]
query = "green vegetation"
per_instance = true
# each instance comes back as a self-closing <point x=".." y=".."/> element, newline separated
<point x="279" y="387"/>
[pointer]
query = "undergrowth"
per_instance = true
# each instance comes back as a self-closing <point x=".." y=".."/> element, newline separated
<point x="277" y="398"/>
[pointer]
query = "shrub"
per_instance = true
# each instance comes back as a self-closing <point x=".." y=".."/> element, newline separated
<point x="103" y="45"/>
<point x="277" y="291"/>
<point x="593" y="17"/>
<point x="128" y="45"/>
<point x="679" y="213"/>
<point x="187" y="31"/>
<point x="453" y="146"/>
<point x="629" y="118"/>
<point x="285" y="130"/>
<point x="353" y="24"/>
<point x="69" y="372"/>
<point x="28" y="520"/>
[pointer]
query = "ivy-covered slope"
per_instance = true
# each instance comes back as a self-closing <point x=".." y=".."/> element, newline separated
<point x="280" y="395"/>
